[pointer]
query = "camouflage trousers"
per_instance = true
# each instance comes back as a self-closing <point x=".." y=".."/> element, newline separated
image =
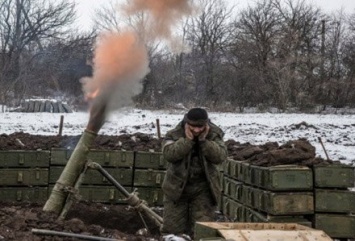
<point x="195" y="204"/>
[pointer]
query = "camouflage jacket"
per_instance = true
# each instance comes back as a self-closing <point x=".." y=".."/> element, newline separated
<point x="177" y="150"/>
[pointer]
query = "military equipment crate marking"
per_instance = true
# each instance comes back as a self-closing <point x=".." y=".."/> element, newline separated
<point x="24" y="177"/>
<point x="24" y="159"/>
<point x="93" y="177"/>
<point x="24" y="194"/>
<point x="60" y="157"/>
<point x="153" y="160"/>
<point x="148" y="177"/>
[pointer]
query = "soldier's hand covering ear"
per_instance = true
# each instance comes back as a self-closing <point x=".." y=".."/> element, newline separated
<point x="188" y="132"/>
<point x="202" y="136"/>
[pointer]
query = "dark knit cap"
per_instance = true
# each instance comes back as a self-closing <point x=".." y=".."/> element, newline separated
<point x="196" y="117"/>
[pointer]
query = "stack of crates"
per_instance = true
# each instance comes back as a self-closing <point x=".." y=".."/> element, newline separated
<point x="24" y="175"/>
<point x="316" y="197"/>
<point x="268" y="194"/>
<point x="95" y="187"/>
<point x="149" y="172"/>
<point x="334" y="202"/>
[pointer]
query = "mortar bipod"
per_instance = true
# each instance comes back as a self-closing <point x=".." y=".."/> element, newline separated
<point x="131" y="198"/>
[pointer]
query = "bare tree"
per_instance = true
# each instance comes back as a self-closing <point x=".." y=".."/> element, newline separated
<point x="107" y="17"/>
<point x="255" y="33"/>
<point x="207" y="34"/>
<point x="25" y="26"/>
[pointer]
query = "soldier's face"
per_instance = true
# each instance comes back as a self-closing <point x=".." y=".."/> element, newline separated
<point x="197" y="130"/>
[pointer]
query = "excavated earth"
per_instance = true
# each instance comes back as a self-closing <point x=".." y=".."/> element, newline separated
<point x="118" y="221"/>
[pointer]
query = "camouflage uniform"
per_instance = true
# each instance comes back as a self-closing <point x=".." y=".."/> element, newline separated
<point x="191" y="185"/>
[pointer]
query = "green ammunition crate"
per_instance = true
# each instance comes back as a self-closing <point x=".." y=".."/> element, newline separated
<point x="226" y="185"/>
<point x="112" y="158"/>
<point x="226" y="166"/>
<point x="148" y="178"/>
<point x="24" y="158"/>
<point x="236" y="190"/>
<point x="122" y="175"/>
<point x="225" y="205"/>
<point x="24" y="194"/>
<point x="101" y="194"/>
<point x="236" y="211"/>
<point x="336" y="225"/>
<point x="259" y="217"/>
<point x="279" y="203"/>
<point x="337" y="176"/>
<point x="60" y="156"/>
<point x="231" y="168"/>
<point x="337" y="201"/>
<point x="244" y="169"/>
<point x="24" y="177"/>
<point x="282" y="178"/>
<point x="232" y="188"/>
<point x="105" y="158"/>
<point x="152" y="160"/>
<point x="153" y="196"/>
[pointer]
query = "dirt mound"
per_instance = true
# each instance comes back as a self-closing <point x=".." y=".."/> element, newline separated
<point x="25" y="141"/>
<point x="18" y="219"/>
<point x="297" y="152"/>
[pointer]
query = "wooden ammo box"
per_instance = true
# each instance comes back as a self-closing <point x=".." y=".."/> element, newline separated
<point x="337" y="176"/>
<point x="105" y="158"/>
<point x="24" y="177"/>
<point x="28" y="194"/>
<point x="153" y="196"/>
<point x="153" y="160"/>
<point x="279" y="203"/>
<point x="334" y="201"/>
<point x="122" y="175"/>
<point x="282" y="178"/>
<point x="257" y="231"/>
<point x="24" y="158"/>
<point x="336" y="225"/>
<point x="148" y="178"/>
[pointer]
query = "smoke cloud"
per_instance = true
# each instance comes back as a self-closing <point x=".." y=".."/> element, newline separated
<point x="163" y="15"/>
<point x="121" y="59"/>
<point x="120" y="63"/>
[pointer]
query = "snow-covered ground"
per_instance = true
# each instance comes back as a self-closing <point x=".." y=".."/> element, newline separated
<point x="336" y="131"/>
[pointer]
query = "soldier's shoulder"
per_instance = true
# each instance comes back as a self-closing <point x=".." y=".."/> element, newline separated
<point x="216" y="129"/>
<point x="176" y="132"/>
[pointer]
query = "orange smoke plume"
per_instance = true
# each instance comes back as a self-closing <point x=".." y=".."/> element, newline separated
<point x="164" y="13"/>
<point x="120" y="63"/>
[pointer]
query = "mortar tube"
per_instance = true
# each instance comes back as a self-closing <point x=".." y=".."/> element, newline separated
<point x="70" y="174"/>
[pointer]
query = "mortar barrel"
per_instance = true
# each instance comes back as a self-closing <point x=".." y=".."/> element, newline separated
<point x="70" y="174"/>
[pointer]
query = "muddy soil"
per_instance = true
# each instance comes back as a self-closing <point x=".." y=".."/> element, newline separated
<point x="94" y="219"/>
<point x="116" y="221"/>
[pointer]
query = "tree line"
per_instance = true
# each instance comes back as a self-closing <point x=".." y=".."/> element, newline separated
<point x="274" y="53"/>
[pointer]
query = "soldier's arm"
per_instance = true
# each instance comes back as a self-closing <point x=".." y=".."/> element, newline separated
<point x="214" y="150"/>
<point x="176" y="150"/>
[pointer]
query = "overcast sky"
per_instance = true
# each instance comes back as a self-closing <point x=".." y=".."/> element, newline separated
<point x="85" y="8"/>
